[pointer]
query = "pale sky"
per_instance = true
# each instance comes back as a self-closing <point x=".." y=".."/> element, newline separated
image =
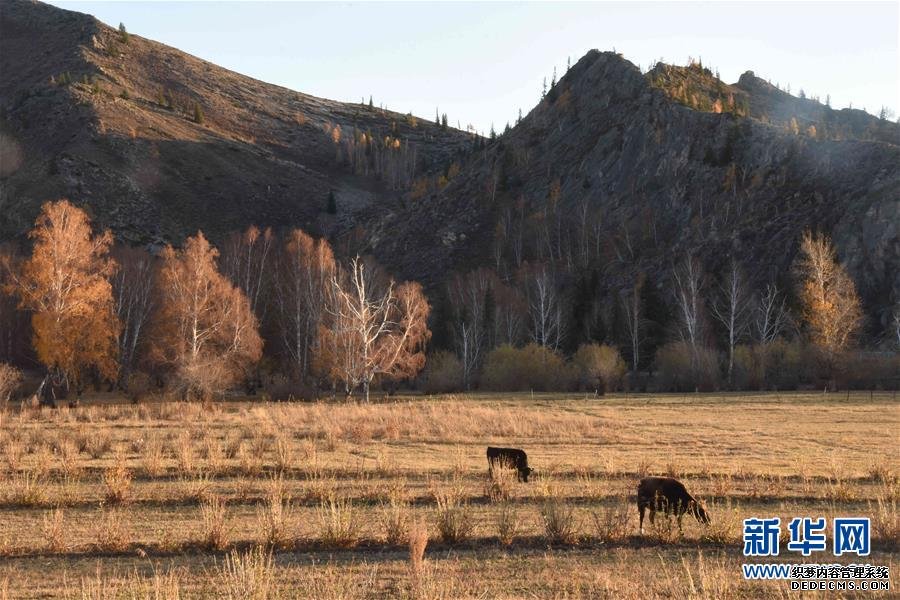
<point x="481" y="62"/>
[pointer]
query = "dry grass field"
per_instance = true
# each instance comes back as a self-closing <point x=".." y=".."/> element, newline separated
<point x="336" y="500"/>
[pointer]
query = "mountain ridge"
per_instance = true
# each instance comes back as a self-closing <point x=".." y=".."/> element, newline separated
<point x="657" y="165"/>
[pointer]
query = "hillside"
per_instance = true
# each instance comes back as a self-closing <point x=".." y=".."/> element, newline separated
<point x="608" y="176"/>
<point x="113" y="124"/>
<point x="614" y="174"/>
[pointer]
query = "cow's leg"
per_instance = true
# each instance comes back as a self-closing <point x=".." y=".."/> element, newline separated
<point x="641" y="509"/>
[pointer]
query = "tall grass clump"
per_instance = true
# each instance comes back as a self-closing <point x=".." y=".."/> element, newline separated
<point x="117" y="480"/>
<point x="338" y="524"/>
<point x="612" y="524"/>
<point x="501" y="481"/>
<point x="273" y="516"/>
<point x="247" y="575"/>
<point x="454" y="521"/>
<point x="418" y="540"/>
<point x="508" y="524"/>
<point x="53" y="530"/>
<point x="560" y="524"/>
<point x="215" y="530"/>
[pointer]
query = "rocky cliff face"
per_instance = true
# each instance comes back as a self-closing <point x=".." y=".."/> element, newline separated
<point x="609" y="174"/>
<point x="614" y="173"/>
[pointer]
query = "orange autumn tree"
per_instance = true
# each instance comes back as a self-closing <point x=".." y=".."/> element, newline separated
<point x="831" y="306"/>
<point x="66" y="285"/>
<point x="372" y="330"/>
<point x="205" y="333"/>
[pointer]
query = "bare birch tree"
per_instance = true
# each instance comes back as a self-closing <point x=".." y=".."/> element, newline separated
<point x="769" y="315"/>
<point x="371" y="331"/>
<point x="545" y="308"/>
<point x="731" y="308"/>
<point x="634" y="316"/>
<point x="688" y="286"/>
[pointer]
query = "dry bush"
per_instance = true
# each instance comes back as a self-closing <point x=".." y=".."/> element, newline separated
<point x="612" y="524"/>
<point x="454" y="521"/>
<point x="184" y="453"/>
<point x="42" y="461"/>
<point x="533" y="367"/>
<point x="69" y="459"/>
<point x="418" y="540"/>
<point x="112" y="531"/>
<point x="153" y="457"/>
<point x="321" y="487"/>
<point x="98" y="444"/>
<point x="53" y="530"/>
<point x="215" y="530"/>
<point x="679" y="369"/>
<point x="213" y="454"/>
<point x="10" y="380"/>
<point x="117" y="480"/>
<point x="593" y="486"/>
<point x="664" y="528"/>
<point x="274" y="516"/>
<point x="885" y="519"/>
<point x="599" y="367"/>
<point x="338" y="524"/>
<point x="197" y="489"/>
<point x="247" y="575"/>
<point x="508" y="524"/>
<point x="284" y="454"/>
<point x="232" y="445"/>
<point x="29" y="489"/>
<point x="13" y="449"/>
<point x="560" y="524"/>
<point x="395" y="521"/>
<point x="725" y="526"/>
<point x="882" y="473"/>
<point x="251" y="463"/>
<point x="501" y="482"/>
<point x="443" y="373"/>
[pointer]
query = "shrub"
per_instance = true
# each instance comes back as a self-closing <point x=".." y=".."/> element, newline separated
<point x="560" y="526"/>
<point x="54" y="531"/>
<point x="112" y="533"/>
<point x="247" y="576"/>
<point x="118" y="481"/>
<point x="599" y="367"/>
<point x="681" y="369"/>
<point x="340" y="527"/>
<point x="10" y="380"/>
<point x="395" y="520"/>
<point x="533" y="367"/>
<point x="501" y="481"/>
<point x="454" y="521"/>
<point x="443" y="373"/>
<point x="215" y="532"/>
<point x="507" y="524"/>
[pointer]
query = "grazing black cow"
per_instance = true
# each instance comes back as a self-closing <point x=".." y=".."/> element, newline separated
<point x="670" y="496"/>
<point x="512" y="458"/>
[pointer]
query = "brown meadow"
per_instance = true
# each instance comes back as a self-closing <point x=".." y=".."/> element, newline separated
<point x="392" y="499"/>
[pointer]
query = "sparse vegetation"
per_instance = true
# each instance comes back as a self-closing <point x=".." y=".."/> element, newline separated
<point x="431" y="452"/>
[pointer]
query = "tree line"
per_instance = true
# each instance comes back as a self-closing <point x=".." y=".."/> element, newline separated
<point x="197" y="320"/>
<point x="281" y="312"/>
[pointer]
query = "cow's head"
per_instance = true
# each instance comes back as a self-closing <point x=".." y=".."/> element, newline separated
<point x="526" y="472"/>
<point x="699" y="511"/>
